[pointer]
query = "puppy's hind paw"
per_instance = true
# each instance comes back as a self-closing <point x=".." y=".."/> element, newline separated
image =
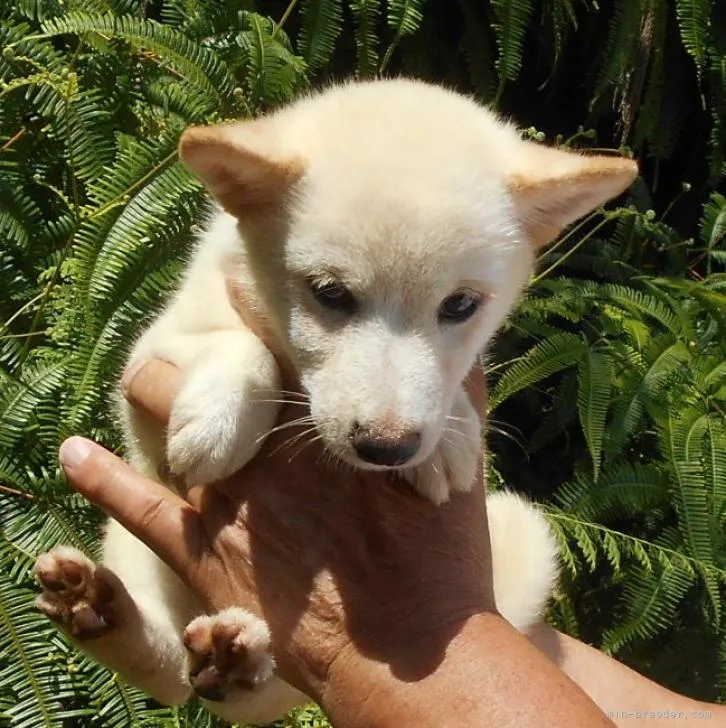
<point x="77" y="594"/>
<point x="229" y="653"/>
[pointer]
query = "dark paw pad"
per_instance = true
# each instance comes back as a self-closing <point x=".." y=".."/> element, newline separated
<point x="76" y="594"/>
<point x="229" y="653"/>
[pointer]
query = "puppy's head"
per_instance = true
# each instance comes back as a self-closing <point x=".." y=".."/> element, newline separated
<point x="390" y="227"/>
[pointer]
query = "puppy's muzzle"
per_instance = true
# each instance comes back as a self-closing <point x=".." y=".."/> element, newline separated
<point x="381" y="449"/>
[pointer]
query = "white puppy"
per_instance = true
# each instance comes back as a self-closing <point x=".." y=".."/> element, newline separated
<point x="384" y="230"/>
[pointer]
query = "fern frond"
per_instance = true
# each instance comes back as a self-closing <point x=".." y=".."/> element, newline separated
<point x="712" y="228"/>
<point x="595" y="384"/>
<point x="620" y="49"/>
<point x="404" y="17"/>
<point x="20" y="398"/>
<point x="198" y="64"/>
<point x="322" y="21"/>
<point x="690" y="501"/>
<point x="634" y="300"/>
<point x="694" y="17"/>
<point x="274" y="72"/>
<point x="476" y="45"/>
<point x="510" y="20"/>
<point x="651" y="599"/>
<point x="541" y="361"/>
<point x="620" y="491"/>
<point x="366" y="14"/>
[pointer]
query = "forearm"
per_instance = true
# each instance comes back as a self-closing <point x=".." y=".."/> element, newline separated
<point x="488" y="676"/>
<point x="619" y="691"/>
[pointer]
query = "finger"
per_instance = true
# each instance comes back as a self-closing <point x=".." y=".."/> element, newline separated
<point x="167" y="524"/>
<point x="150" y="386"/>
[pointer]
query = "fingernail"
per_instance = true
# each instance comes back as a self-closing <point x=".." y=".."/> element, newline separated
<point x="73" y="452"/>
<point x="130" y="373"/>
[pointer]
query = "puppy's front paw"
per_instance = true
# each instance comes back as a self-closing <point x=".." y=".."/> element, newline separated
<point x="431" y="478"/>
<point x="218" y="422"/>
<point x="229" y="653"/>
<point x="455" y="462"/>
<point x="460" y="444"/>
<point x="77" y="594"/>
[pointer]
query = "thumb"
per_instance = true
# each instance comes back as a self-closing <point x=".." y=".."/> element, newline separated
<point x="166" y="523"/>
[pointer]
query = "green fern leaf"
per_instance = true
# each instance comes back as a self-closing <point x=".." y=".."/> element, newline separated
<point x="652" y="599"/>
<point x="477" y="48"/>
<point x="198" y="64"/>
<point x="322" y="21"/>
<point x="689" y="488"/>
<point x="593" y="399"/>
<point x="621" y="490"/>
<point x="713" y="222"/>
<point x="618" y="57"/>
<point x="549" y="356"/>
<point x="510" y="20"/>
<point x="366" y="14"/>
<point x="694" y="17"/>
<point x="404" y="17"/>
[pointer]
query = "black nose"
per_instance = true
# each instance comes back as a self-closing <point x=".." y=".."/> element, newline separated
<point x="381" y="449"/>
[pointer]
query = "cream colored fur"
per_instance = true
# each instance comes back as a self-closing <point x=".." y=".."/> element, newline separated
<point x="406" y="194"/>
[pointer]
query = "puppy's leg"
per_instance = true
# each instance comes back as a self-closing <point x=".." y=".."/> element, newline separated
<point x="524" y="558"/>
<point x="126" y="625"/>
<point x="228" y="403"/>
<point x="232" y="668"/>
<point x="454" y="464"/>
<point x="130" y="614"/>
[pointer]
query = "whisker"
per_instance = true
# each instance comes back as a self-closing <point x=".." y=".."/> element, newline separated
<point x="302" y="395"/>
<point x="286" y="443"/>
<point x="455" y="446"/>
<point x="281" y="401"/>
<point x="453" y="418"/>
<point x="502" y="423"/>
<point x="460" y="433"/>
<point x="508" y="436"/>
<point x="299" y="435"/>
<point x="305" y="444"/>
<point x="306" y="420"/>
<point x="298" y="395"/>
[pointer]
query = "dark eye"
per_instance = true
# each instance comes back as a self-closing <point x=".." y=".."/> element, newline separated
<point x="334" y="296"/>
<point x="459" y="306"/>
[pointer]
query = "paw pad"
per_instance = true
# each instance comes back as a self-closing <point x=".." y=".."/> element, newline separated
<point x="76" y="594"/>
<point x="229" y="653"/>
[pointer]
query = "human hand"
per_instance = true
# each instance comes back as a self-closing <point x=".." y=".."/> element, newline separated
<point x="340" y="563"/>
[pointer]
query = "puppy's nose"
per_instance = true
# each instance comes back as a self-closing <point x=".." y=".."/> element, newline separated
<point x="380" y="449"/>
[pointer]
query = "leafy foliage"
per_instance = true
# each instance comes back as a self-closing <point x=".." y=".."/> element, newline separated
<point x="97" y="213"/>
<point x="633" y="400"/>
<point x="615" y="359"/>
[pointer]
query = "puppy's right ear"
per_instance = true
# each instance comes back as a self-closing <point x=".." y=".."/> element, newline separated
<point x="238" y="165"/>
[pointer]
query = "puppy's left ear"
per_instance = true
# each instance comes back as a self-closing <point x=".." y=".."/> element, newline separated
<point x="553" y="188"/>
<point x="240" y="164"/>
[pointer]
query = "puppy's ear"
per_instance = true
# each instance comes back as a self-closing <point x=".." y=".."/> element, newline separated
<point x="553" y="188"/>
<point x="240" y="165"/>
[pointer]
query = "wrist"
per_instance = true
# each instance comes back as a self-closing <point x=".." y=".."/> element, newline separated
<point x="479" y="672"/>
<point x="415" y="684"/>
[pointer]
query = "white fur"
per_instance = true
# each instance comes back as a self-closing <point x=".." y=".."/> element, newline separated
<point x="524" y="558"/>
<point x="406" y="196"/>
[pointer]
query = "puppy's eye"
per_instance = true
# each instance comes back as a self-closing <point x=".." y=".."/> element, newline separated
<point x="334" y="296"/>
<point x="459" y="306"/>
